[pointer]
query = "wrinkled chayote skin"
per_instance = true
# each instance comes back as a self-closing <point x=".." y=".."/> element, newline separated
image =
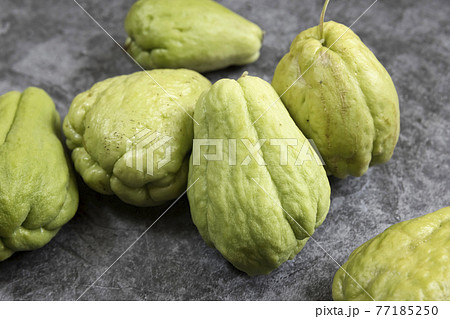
<point x="345" y="99"/>
<point x="257" y="216"/>
<point x="38" y="192"/>
<point x="201" y="35"/>
<point x="103" y="121"/>
<point x="408" y="261"/>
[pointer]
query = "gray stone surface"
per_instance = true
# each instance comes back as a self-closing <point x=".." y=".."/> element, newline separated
<point x="52" y="44"/>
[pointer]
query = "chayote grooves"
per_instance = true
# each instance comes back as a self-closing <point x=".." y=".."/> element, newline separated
<point x="257" y="213"/>
<point x="200" y="35"/>
<point x="38" y="192"/>
<point x="408" y="261"/>
<point x="340" y="96"/>
<point x="110" y="126"/>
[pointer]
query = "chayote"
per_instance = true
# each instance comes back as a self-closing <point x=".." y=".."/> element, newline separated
<point x="257" y="208"/>
<point x="408" y="261"/>
<point x="38" y="192"/>
<point x="201" y="35"/>
<point x="340" y="96"/>
<point x="131" y="135"/>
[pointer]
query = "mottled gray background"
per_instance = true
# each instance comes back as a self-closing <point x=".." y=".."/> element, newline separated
<point x="52" y="44"/>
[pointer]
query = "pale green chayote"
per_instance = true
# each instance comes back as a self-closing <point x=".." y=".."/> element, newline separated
<point x="257" y="216"/>
<point x="108" y="124"/>
<point x="408" y="261"/>
<point x="201" y="35"/>
<point x="340" y="96"/>
<point x="38" y="192"/>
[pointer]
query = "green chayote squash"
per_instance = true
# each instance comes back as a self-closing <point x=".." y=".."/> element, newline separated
<point x="257" y="208"/>
<point x="38" y="192"/>
<point x="201" y="35"/>
<point x="408" y="261"/>
<point x="111" y="127"/>
<point x="341" y="97"/>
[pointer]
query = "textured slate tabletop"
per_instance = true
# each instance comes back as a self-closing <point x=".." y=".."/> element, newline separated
<point x="54" y="45"/>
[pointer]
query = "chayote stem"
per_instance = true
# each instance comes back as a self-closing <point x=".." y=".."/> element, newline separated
<point x="322" y="16"/>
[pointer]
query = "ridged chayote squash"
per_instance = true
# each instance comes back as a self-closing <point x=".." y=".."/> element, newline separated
<point x="201" y="35"/>
<point x="260" y="210"/>
<point x="38" y="192"/>
<point x="408" y="261"/>
<point x="107" y="126"/>
<point x="340" y="96"/>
